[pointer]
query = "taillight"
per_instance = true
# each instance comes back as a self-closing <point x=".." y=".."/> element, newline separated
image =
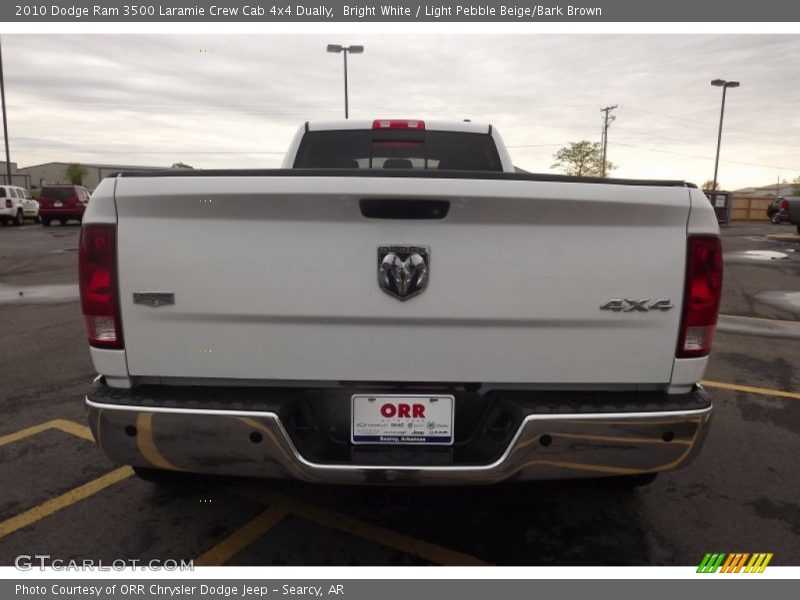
<point x="701" y="296"/>
<point x="98" y="284"/>
<point x="9" y="204"/>
<point x="397" y="124"/>
<point x="784" y="206"/>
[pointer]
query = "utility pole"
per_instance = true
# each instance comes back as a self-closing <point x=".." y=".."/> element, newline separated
<point x="607" y="119"/>
<point x="5" y="121"/>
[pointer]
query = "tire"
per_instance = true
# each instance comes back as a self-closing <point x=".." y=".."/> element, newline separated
<point x="19" y="218"/>
<point x="631" y="482"/>
<point x="3" y="222"/>
<point x="159" y="476"/>
<point x="798" y="228"/>
<point x="63" y="221"/>
<point x="45" y="221"/>
<point x="775" y="219"/>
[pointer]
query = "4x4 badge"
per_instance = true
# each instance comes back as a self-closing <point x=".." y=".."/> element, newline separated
<point x="403" y="271"/>
<point x="636" y="305"/>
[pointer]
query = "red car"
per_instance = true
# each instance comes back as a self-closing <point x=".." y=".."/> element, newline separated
<point x="62" y="203"/>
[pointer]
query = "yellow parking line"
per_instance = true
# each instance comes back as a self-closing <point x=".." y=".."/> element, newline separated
<point x="81" y="431"/>
<point x="241" y="538"/>
<point x="373" y="533"/>
<point x="750" y="390"/>
<point x="45" y="509"/>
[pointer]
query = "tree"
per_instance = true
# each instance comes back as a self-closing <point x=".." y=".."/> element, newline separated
<point x="75" y="173"/>
<point x="181" y="165"/>
<point x="709" y="185"/>
<point x="582" y="158"/>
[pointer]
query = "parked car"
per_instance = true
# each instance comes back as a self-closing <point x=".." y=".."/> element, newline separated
<point x="778" y="210"/>
<point x="791" y="208"/>
<point x="16" y="205"/>
<point x="396" y="305"/>
<point x="62" y="203"/>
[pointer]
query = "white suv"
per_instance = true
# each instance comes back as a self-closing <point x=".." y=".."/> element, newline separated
<point x="16" y="205"/>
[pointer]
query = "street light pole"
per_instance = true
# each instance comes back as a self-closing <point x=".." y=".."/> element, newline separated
<point x="346" y="105"/>
<point x="724" y="85"/>
<point x="336" y="48"/>
<point x="5" y="121"/>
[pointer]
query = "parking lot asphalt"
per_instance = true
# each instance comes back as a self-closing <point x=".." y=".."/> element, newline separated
<point x="61" y="496"/>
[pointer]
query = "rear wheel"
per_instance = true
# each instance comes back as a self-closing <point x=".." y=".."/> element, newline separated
<point x="63" y="221"/>
<point x="775" y="218"/>
<point x="19" y="218"/>
<point x="629" y="482"/>
<point x="45" y="221"/>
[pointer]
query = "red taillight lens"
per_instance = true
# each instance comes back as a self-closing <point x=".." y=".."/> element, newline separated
<point x="98" y="284"/>
<point x="784" y="206"/>
<point x="701" y="296"/>
<point x="9" y="204"/>
<point x="397" y="124"/>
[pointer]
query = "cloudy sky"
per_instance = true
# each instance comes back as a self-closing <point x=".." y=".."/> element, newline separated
<point x="236" y="100"/>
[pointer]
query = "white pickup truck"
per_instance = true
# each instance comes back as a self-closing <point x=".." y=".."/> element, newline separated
<point x="397" y="305"/>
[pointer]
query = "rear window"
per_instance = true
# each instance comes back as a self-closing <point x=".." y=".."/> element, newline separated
<point x="398" y="149"/>
<point x="57" y="192"/>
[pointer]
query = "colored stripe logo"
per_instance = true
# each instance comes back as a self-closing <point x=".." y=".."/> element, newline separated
<point x="737" y="562"/>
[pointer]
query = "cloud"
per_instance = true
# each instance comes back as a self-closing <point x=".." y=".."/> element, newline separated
<point x="235" y="101"/>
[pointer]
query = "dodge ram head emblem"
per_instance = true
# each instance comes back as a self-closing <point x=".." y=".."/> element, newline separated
<point x="403" y="271"/>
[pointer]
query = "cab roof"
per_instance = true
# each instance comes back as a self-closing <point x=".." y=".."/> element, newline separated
<point x="430" y="125"/>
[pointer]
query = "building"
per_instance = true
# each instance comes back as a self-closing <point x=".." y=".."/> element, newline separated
<point x="17" y="178"/>
<point x="773" y="190"/>
<point x="55" y="173"/>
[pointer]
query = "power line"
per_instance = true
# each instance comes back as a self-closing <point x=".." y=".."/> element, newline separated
<point x="698" y="156"/>
<point x="535" y="146"/>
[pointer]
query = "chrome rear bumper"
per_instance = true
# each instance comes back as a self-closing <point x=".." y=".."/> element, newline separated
<point x="256" y="443"/>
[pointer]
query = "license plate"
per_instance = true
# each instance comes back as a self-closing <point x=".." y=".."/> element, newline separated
<point x="57" y="204"/>
<point x="402" y="419"/>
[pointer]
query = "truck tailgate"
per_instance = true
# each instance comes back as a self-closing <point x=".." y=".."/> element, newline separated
<point x="275" y="277"/>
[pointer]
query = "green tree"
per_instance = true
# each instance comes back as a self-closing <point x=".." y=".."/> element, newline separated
<point x="181" y="165"/>
<point x="75" y="173"/>
<point x="582" y="158"/>
<point x="709" y="185"/>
